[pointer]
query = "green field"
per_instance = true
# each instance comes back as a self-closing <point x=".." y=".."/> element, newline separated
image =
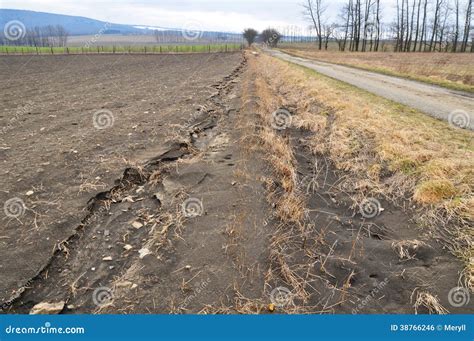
<point x="122" y="49"/>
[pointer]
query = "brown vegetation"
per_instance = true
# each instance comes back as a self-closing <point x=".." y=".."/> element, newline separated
<point x="390" y="150"/>
<point x="450" y="70"/>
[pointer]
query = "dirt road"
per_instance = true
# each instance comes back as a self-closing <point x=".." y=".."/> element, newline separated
<point x="449" y="105"/>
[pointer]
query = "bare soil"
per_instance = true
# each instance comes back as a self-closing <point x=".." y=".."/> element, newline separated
<point x="187" y="129"/>
<point x="49" y="144"/>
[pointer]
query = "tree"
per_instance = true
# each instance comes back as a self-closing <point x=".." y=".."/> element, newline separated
<point x="346" y="16"/>
<point x="271" y="37"/>
<point x="417" y="25"/>
<point x="357" y="24"/>
<point x="456" y="27"/>
<point x="423" y="28"/>
<point x="377" y="24"/>
<point x="368" y="4"/>
<point x="467" y="26"/>
<point x="435" y="24"/>
<point x="314" y="10"/>
<point x="250" y="35"/>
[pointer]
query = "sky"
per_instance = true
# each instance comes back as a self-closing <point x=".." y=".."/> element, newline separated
<point x="219" y="15"/>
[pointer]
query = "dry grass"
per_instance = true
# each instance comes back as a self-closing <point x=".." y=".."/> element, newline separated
<point x="429" y="302"/>
<point x="406" y="249"/>
<point x="446" y="69"/>
<point x="297" y="249"/>
<point x="389" y="149"/>
<point x="289" y="204"/>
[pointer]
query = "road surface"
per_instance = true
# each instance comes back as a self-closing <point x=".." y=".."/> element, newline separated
<point x="453" y="106"/>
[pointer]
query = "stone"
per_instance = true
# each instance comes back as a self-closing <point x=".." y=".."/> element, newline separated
<point x="45" y="308"/>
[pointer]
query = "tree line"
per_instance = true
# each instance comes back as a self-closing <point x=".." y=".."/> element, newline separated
<point x="420" y="25"/>
<point x="270" y="36"/>
<point x="44" y="36"/>
<point x="415" y="26"/>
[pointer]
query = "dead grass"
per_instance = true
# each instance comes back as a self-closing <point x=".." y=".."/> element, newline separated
<point x="293" y="235"/>
<point x="406" y="249"/>
<point x="450" y="70"/>
<point x="429" y="302"/>
<point x="289" y="204"/>
<point x="389" y="150"/>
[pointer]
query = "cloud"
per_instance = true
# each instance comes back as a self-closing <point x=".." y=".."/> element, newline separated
<point x="222" y="15"/>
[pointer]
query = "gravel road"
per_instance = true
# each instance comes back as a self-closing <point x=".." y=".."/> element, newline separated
<point x="454" y="106"/>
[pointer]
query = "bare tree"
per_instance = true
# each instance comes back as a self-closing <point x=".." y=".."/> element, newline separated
<point x="443" y="26"/>
<point x="435" y="24"/>
<point x="456" y="27"/>
<point x="423" y="27"/>
<point x="368" y="4"/>
<point x="412" y="24"/>
<point x="467" y="26"/>
<point x="401" y="25"/>
<point x="358" y="22"/>
<point x="314" y="10"/>
<point x="377" y="25"/>
<point x="417" y="26"/>
<point x="346" y="16"/>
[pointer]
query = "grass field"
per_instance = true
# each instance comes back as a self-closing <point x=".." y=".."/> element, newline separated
<point x="122" y="49"/>
<point x="454" y="71"/>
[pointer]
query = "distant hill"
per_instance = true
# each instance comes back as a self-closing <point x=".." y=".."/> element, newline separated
<point x="74" y="25"/>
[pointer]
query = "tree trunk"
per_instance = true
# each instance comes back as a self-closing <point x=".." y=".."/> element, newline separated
<point x="423" y="28"/>
<point x="456" y="29"/>
<point x="417" y="26"/>
<point x="377" y="22"/>
<point x="435" y="25"/>
<point x="467" y="26"/>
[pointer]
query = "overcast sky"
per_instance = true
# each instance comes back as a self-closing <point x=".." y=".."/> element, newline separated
<point x="222" y="15"/>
